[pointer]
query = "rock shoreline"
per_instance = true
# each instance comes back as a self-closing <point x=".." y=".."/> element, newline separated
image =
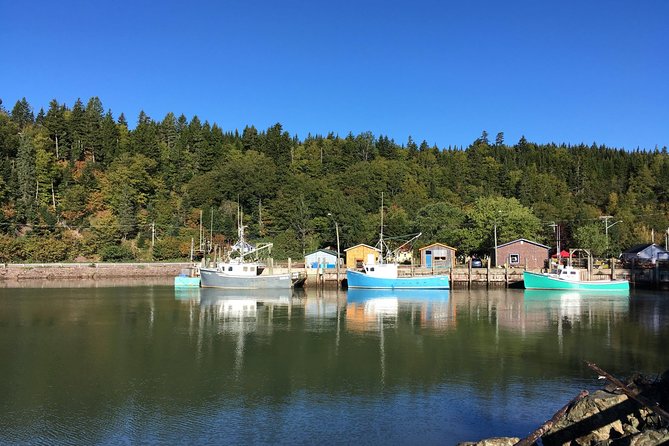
<point x="607" y="417"/>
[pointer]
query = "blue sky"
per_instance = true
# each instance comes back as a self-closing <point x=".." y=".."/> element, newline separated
<point x="440" y="71"/>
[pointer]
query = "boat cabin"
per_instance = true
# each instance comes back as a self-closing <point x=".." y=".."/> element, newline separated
<point x="381" y="270"/>
<point x="568" y="273"/>
<point x="240" y="269"/>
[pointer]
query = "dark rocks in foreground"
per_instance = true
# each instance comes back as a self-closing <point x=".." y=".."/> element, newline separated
<point x="607" y="417"/>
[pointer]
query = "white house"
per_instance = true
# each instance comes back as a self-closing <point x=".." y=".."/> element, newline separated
<point x="323" y="258"/>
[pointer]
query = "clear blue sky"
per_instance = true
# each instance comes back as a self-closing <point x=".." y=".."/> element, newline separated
<point x="562" y="71"/>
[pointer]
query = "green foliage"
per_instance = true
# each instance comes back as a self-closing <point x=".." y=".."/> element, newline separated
<point x="77" y="168"/>
<point x="116" y="253"/>
<point x="168" y="248"/>
<point x="591" y="237"/>
<point x="11" y="249"/>
<point x="45" y="249"/>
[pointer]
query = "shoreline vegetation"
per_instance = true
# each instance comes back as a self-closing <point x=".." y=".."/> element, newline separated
<point x="79" y="182"/>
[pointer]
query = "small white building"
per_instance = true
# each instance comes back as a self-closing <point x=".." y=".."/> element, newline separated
<point x="323" y="258"/>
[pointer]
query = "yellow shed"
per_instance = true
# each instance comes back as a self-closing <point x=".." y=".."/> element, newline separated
<point x="357" y="255"/>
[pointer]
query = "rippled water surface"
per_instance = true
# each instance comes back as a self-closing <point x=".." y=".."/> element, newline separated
<point x="108" y="363"/>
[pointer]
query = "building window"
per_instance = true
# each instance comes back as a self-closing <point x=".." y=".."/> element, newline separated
<point x="514" y="259"/>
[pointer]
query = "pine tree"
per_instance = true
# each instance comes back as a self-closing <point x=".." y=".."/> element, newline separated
<point x="25" y="170"/>
<point x="22" y="113"/>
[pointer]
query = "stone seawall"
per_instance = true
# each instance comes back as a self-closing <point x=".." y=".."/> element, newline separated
<point x="54" y="271"/>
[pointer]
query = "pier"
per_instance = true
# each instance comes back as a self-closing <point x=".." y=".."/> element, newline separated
<point x="462" y="277"/>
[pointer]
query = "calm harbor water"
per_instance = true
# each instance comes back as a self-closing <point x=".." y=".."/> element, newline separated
<point x="112" y="363"/>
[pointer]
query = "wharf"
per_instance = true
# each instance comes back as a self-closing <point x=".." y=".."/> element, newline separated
<point x="465" y="277"/>
<point x="460" y="277"/>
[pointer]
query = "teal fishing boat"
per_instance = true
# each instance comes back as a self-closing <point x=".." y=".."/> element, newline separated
<point x="568" y="278"/>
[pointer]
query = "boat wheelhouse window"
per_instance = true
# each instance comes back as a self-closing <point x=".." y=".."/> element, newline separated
<point x="229" y="268"/>
<point x="246" y="268"/>
<point x="371" y="269"/>
<point x="573" y="273"/>
<point x="514" y="259"/>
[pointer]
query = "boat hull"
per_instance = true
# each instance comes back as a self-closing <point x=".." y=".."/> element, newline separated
<point x="537" y="281"/>
<point x="357" y="279"/>
<point x="215" y="279"/>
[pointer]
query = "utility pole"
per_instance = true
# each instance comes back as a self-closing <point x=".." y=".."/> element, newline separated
<point x="337" y="231"/>
<point x="153" y="234"/>
<point x="201" y="230"/>
<point x="499" y="214"/>
<point x="556" y="228"/>
<point x="606" y="228"/>
<point x="495" y="244"/>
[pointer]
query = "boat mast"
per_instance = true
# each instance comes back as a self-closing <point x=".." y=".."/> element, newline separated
<point x="381" y="234"/>
<point x="240" y="234"/>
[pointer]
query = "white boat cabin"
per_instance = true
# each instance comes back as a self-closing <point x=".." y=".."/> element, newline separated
<point x="567" y="273"/>
<point x="381" y="270"/>
<point x="240" y="269"/>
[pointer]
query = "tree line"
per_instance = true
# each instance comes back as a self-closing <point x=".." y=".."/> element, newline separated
<point x="79" y="184"/>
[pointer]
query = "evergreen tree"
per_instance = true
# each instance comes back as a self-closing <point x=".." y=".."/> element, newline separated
<point x="76" y="131"/>
<point x="22" y="113"/>
<point x="54" y="121"/>
<point x="25" y="169"/>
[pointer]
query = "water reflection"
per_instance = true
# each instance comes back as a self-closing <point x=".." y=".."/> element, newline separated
<point x="577" y="305"/>
<point x="372" y="310"/>
<point x="154" y="364"/>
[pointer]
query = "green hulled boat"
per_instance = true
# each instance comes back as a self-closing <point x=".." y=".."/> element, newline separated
<point x="568" y="278"/>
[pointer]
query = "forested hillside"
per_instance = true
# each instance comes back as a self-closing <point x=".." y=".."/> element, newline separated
<point x="78" y="183"/>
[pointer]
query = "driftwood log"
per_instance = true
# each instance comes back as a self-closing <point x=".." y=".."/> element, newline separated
<point x="633" y="395"/>
<point x="541" y="430"/>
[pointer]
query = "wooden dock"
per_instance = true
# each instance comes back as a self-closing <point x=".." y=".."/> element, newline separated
<point x="462" y="277"/>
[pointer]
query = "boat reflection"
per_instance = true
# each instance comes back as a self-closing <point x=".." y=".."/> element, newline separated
<point x="221" y="297"/>
<point x="572" y="294"/>
<point x="574" y="304"/>
<point x="187" y="294"/>
<point x="554" y="308"/>
<point x="371" y="310"/>
<point x="237" y="310"/>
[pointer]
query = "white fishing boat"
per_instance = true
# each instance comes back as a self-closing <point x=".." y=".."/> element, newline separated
<point x="242" y="270"/>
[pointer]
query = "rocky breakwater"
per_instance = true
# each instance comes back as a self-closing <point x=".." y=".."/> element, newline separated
<point x="612" y="416"/>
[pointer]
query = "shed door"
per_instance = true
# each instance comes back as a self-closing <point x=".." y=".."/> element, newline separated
<point x="428" y="259"/>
